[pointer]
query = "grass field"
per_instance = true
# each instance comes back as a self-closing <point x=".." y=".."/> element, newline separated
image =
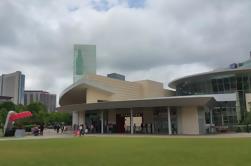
<point x="124" y="151"/>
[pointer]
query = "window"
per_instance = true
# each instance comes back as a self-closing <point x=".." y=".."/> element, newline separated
<point x="226" y="84"/>
<point x="31" y="98"/>
<point x="214" y="85"/>
<point x="207" y="117"/>
<point x="220" y="85"/>
<point x="233" y="83"/>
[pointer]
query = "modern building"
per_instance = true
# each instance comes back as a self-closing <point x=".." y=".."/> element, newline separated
<point x="49" y="100"/>
<point x="84" y="61"/>
<point x="214" y="101"/>
<point x="12" y="85"/>
<point x="113" y="105"/>
<point x="231" y="87"/>
<point x="117" y="106"/>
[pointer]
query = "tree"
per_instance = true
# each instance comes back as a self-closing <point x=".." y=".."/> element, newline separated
<point x="59" y="117"/>
<point x="4" y="109"/>
<point x="39" y="112"/>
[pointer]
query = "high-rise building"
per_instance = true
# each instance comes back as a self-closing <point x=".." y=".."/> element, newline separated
<point x="12" y="85"/>
<point x="49" y="100"/>
<point x="84" y="61"/>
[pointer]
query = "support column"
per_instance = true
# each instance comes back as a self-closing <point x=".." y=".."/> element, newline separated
<point x="211" y="120"/>
<point x="169" y="121"/>
<point x="81" y="117"/>
<point x="102" y="121"/>
<point x="222" y="118"/>
<point x="131" y="120"/>
<point x="74" y="118"/>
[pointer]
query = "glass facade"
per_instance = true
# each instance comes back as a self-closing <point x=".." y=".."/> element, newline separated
<point x="224" y="114"/>
<point x="84" y="61"/>
<point x="215" y="85"/>
<point x="228" y="112"/>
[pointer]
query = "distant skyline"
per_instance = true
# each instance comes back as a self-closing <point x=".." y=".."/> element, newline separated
<point x="147" y="39"/>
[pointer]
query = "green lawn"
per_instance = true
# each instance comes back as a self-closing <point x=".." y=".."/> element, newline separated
<point x="112" y="151"/>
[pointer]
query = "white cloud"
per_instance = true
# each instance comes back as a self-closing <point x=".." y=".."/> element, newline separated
<point x="174" y="37"/>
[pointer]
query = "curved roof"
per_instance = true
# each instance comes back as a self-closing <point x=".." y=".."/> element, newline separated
<point x="75" y="93"/>
<point x="173" y="83"/>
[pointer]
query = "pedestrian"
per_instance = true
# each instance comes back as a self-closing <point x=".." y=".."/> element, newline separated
<point x="142" y="128"/>
<point x="58" y="127"/>
<point x="62" y="128"/>
<point x="80" y="130"/>
<point x="41" y="129"/>
<point x="91" y="128"/>
<point x="86" y="130"/>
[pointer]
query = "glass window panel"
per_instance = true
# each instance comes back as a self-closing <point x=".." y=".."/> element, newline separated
<point x="233" y="83"/>
<point x="226" y="84"/>
<point x="214" y="85"/>
<point x="239" y="83"/>
<point x="220" y="85"/>
<point x="245" y="83"/>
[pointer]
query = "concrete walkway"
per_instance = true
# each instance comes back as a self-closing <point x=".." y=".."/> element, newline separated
<point x="51" y="134"/>
<point x="48" y="134"/>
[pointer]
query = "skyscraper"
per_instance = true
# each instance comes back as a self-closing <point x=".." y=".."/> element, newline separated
<point x="84" y="61"/>
<point x="12" y="85"/>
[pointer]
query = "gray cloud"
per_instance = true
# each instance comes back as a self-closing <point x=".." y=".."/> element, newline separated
<point x="37" y="38"/>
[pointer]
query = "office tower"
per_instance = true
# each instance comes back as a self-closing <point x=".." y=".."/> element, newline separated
<point x="84" y="61"/>
<point x="12" y="85"/>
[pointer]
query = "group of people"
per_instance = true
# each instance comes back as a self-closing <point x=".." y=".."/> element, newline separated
<point x="38" y="130"/>
<point x="59" y="127"/>
<point x="83" y="129"/>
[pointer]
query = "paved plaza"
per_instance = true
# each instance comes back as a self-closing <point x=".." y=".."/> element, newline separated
<point x="50" y="134"/>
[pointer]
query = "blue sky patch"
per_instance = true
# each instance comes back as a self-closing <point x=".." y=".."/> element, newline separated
<point x="103" y="5"/>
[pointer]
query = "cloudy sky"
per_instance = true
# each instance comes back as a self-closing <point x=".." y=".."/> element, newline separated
<point x="142" y="39"/>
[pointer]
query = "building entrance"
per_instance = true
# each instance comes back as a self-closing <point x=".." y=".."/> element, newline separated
<point x="92" y="122"/>
<point x="120" y="123"/>
<point x="123" y="123"/>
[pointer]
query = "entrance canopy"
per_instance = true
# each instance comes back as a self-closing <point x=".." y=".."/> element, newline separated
<point x="155" y="102"/>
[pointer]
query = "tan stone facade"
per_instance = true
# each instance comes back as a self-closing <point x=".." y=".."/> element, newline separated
<point x="123" y="90"/>
<point x="142" y="99"/>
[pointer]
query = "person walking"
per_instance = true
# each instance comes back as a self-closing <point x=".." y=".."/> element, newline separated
<point x="41" y="129"/>
<point x="80" y="130"/>
<point x="62" y="129"/>
<point x="58" y="127"/>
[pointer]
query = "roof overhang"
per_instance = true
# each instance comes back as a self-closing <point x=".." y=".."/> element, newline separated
<point x="144" y="103"/>
<point x="205" y="75"/>
<point x="75" y="93"/>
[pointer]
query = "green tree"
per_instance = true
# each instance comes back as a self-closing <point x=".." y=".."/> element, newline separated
<point x="39" y="112"/>
<point x="5" y="107"/>
<point x="59" y="117"/>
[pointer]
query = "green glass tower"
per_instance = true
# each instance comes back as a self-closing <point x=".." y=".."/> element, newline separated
<point x="84" y="61"/>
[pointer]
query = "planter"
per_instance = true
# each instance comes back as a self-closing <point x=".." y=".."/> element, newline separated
<point x="20" y="133"/>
